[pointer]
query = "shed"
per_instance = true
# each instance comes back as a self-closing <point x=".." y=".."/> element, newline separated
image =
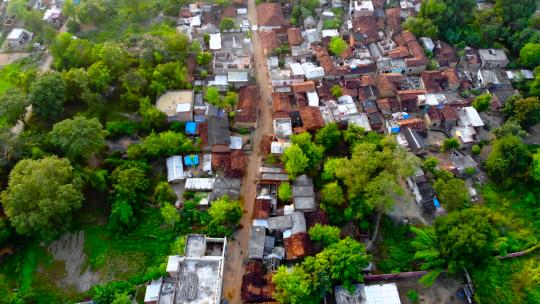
<point x="298" y="222"/>
<point x="280" y="222"/>
<point x="303" y="194"/>
<point x="152" y="293"/>
<point x="278" y="147"/>
<point x="175" y="169"/>
<point x="215" y="41"/>
<point x="207" y="163"/>
<point x="256" y="242"/>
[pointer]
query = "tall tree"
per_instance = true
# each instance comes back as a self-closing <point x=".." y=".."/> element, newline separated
<point x="328" y="136"/>
<point x="294" y="285"/>
<point x="295" y="161"/>
<point x="509" y="156"/>
<point x="41" y="196"/>
<point x="452" y="193"/>
<point x="79" y="137"/>
<point x="337" y="46"/>
<point x="325" y="234"/>
<point x="13" y="105"/>
<point x="225" y="214"/>
<point x="47" y="96"/>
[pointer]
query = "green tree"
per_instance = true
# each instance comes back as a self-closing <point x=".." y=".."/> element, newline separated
<point x="325" y="234"/>
<point x="13" y="105"/>
<point x="430" y="163"/>
<point x="482" y="102"/>
<point x="510" y="127"/>
<point x="77" y="83"/>
<point x="230" y="100"/>
<point x="328" y="136"/>
<point x="204" y="58"/>
<point x="100" y="76"/>
<point x="163" y="144"/>
<point x="337" y="91"/>
<point x="526" y="111"/>
<point x="450" y="144"/>
<point x="295" y="161"/>
<point x="509" y="156"/>
<point x="535" y="166"/>
<point x="122" y="299"/>
<point x="92" y="11"/>
<point x="79" y="137"/>
<point x="312" y="151"/>
<point x="114" y="56"/>
<point x="421" y="27"/>
<point x="285" y="192"/>
<point x="152" y="118"/>
<point x="211" y="95"/>
<point x="164" y="194"/>
<point x="47" y="96"/>
<point x="529" y="55"/>
<point x="226" y="24"/>
<point x="337" y="46"/>
<point x="475" y="149"/>
<point x="338" y="263"/>
<point x="41" y="196"/>
<point x="170" y="215"/>
<point x="460" y="239"/>
<point x="294" y="285"/>
<point x="332" y="194"/>
<point x="134" y="82"/>
<point x="353" y="134"/>
<point x="225" y="214"/>
<point x="130" y="184"/>
<point x="452" y="193"/>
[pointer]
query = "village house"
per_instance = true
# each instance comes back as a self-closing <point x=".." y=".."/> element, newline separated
<point x="368" y="294"/>
<point x="493" y="59"/>
<point x="247" y="111"/>
<point x="270" y="16"/>
<point x="18" y="38"/>
<point x="177" y="105"/>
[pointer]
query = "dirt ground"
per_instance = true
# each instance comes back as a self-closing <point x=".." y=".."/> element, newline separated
<point x="69" y="249"/>
<point x="7" y="58"/>
<point x="237" y="250"/>
<point x="443" y="291"/>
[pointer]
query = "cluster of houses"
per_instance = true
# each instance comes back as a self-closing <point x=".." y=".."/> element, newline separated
<point x="18" y="38"/>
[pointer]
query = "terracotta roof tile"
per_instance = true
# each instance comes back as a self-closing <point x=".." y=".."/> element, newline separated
<point x="294" y="35"/>
<point x="270" y="14"/>
<point x="297" y="246"/>
<point x="257" y="287"/>
<point x="281" y="104"/>
<point x="449" y="113"/>
<point x="445" y="54"/>
<point x="393" y="19"/>
<point x="311" y="118"/>
<point x="303" y="87"/>
<point x="367" y="27"/>
<point x="228" y="12"/>
<point x="248" y="104"/>
<point x="261" y="208"/>
<point x="269" y="40"/>
<point x="413" y="123"/>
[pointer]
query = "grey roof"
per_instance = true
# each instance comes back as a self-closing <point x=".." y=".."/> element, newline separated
<point x="280" y="222"/>
<point x="269" y="243"/>
<point x="218" y="131"/>
<point x="275" y="177"/>
<point x="416" y="142"/>
<point x="298" y="223"/>
<point x="256" y="242"/>
<point x="303" y="180"/>
<point x="225" y="186"/>
<point x="304" y="203"/>
<point x="302" y="191"/>
<point x="492" y="54"/>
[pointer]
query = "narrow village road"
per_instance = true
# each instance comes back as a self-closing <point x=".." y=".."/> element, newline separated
<point x="237" y="250"/>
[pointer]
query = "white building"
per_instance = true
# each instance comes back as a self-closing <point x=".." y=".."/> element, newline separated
<point x="18" y="37"/>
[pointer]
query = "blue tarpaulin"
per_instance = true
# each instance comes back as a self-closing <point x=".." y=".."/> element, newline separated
<point x="191" y="127"/>
<point x="436" y="202"/>
<point x="191" y="160"/>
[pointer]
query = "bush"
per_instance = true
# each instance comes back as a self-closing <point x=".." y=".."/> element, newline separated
<point x="413" y="296"/>
<point x="482" y="102"/>
<point x="117" y="128"/>
<point x="73" y="26"/>
<point x="285" y="192"/>
<point x="476" y="149"/>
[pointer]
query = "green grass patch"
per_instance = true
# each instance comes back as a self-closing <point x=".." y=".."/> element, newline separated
<point x="396" y="252"/>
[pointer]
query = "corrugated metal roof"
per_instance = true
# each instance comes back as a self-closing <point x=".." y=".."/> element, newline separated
<point x="200" y="184"/>
<point x="175" y="168"/>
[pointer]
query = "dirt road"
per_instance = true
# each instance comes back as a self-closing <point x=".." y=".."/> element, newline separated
<point x="8" y="58"/>
<point x="237" y="250"/>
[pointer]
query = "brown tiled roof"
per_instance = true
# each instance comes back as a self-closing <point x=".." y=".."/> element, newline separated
<point x="393" y="19"/>
<point x="203" y="133"/>
<point x="303" y="87"/>
<point x="433" y="114"/>
<point x="265" y="144"/>
<point x="311" y="118"/>
<point x="221" y="161"/>
<point x="388" y="82"/>
<point x="294" y="35"/>
<point x="228" y="12"/>
<point x="301" y="99"/>
<point x="378" y="3"/>
<point x="410" y="94"/>
<point x="324" y="92"/>
<point x="368" y="80"/>
<point x="388" y="105"/>
<point x="261" y="208"/>
<point x="281" y="104"/>
<point x="257" y="287"/>
<point x="238" y="164"/>
<point x="439" y="81"/>
<point x="185" y="13"/>
<point x="419" y="57"/>
<point x="399" y="52"/>
<point x="269" y="40"/>
<point x="351" y="92"/>
<point x="413" y="123"/>
<point x="449" y="113"/>
<point x="453" y="77"/>
<point x="347" y="54"/>
<point x="270" y="14"/>
<point x="445" y="54"/>
<point x="367" y="26"/>
<point x="248" y="104"/>
<point x="297" y="246"/>
<point x="255" y="266"/>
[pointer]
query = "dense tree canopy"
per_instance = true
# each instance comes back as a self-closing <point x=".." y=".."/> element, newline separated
<point x="47" y="96"/>
<point x="452" y="193"/>
<point x="13" y="105"/>
<point x="509" y="156"/>
<point x="328" y="136"/>
<point x="325" y="234"/>
<point x="79" y="137"/>
<point x="41" y="196"/>
<point x="337" y="46"/>
<point x="225" y="214"/>
<point x="296" y="162"/>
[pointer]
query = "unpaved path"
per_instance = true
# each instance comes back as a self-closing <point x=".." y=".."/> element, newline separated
<point x="7" y="58"/>
<point x="237" y="250"/>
